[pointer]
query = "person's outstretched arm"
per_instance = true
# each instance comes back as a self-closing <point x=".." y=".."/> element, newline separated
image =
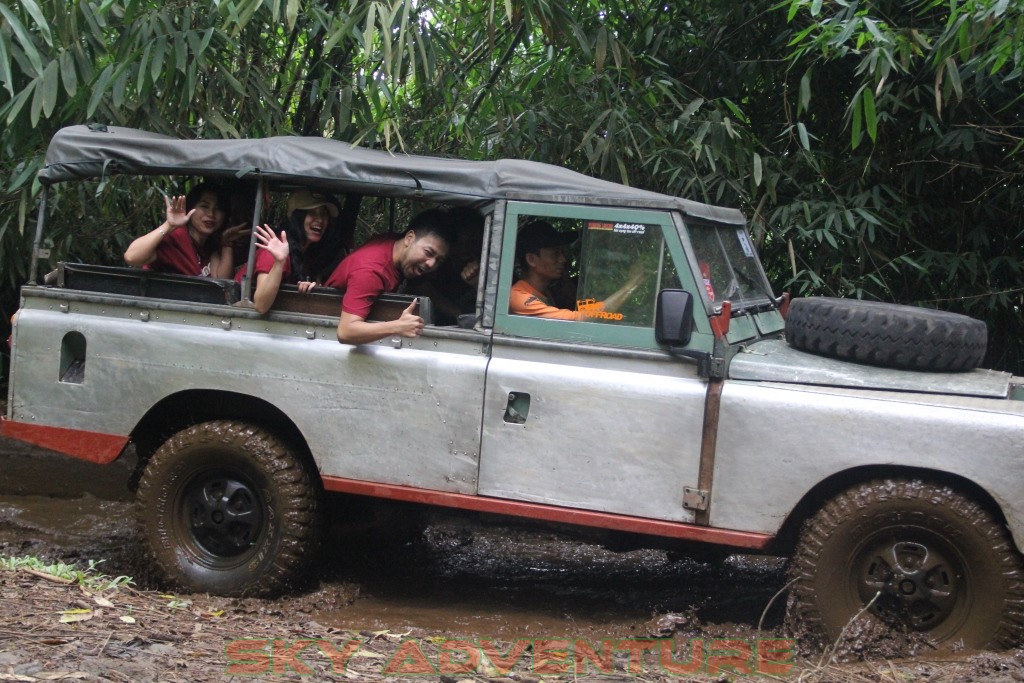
<point x="355" y="330"/>
<point x="268" y="284"/>
<point x="142" y="251"/>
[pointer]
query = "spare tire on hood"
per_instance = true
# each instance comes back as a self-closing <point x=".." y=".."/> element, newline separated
<point x="890" y="335"/>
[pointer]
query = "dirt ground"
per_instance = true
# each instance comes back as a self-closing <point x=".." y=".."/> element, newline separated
<point x="452" y="602"/>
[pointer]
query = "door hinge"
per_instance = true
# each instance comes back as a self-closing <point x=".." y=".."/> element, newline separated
<point x="695" y="499"/>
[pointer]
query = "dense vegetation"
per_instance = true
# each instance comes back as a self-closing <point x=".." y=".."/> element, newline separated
<point x="875" y="146"/>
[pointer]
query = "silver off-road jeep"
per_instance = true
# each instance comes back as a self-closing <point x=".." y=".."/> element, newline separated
<point x="859" y="438"/>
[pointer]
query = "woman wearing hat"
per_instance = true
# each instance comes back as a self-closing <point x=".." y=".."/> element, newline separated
<point x="304" y="253"/>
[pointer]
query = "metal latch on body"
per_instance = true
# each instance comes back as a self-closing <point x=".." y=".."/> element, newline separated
<point x="695" y="499"/>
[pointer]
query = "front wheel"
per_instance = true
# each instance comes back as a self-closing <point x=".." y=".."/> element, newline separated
<point x="916" y="556"/>
<point x="227" y="508"/>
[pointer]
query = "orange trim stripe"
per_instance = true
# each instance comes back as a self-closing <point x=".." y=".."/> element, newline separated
<point x="550" y="513"/>
<point x="91" y="446"/>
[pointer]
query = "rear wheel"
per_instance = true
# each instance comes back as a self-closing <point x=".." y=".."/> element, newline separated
<point x="924" y="557"/>
<point x="227" y="508"/>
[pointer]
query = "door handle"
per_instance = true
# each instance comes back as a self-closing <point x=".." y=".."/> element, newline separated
<point x="518" y="408"/>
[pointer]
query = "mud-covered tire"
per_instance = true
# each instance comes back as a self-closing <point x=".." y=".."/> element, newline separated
<point x="890" y="335"/>
<point x="941" y="565"/>
<point x="227" y="508"/>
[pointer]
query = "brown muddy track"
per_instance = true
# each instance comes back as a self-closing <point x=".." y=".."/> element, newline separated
<point x="482" y="579"/>
<point x="453" y="578"/>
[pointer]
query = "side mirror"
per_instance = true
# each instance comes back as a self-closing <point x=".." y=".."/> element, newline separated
<point x="673" y="324"/>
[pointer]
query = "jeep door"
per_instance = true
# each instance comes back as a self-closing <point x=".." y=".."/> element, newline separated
<point x="591" y="413"/>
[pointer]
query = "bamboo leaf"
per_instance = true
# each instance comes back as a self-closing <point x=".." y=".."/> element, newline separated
<point x="180" y="53"/>
<point x="291" y="14"/>
<point x="815" y="7"/>
<point x="794" y="7"/>
<point x="233" y="83"/>
<point x="37" y="16"/>
<point x="51" y="84"/>
<point x="99" y="90"/>
<point x="5" y="65"/>
<point x="221" y="124"/>
<point x="37" y="103"/>
<point x="855" y="128"/>
<point x="954" y="78"/>
<point x="156" y="66"/>
<point x="692" y="106"/>
<point x="68" y="74"/>
<point x="140" y="80"/>
<point x="805" y="92"/>
<point x="368" y="32"/>
<point x="18" y="102"/>
<point x="870" y="119"/>
<point x="873" y="29"/>
<point x="805" y="141"/>
<point x="758" y="170"/>
<point x="24" y="39"/>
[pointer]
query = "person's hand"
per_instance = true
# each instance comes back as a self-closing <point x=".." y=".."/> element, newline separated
<point x="176" y="216"/>
<point x="306" y="286"/>
<point x="277" y="246"/>
<point x="470" y="272"/>
<point x="233" y="234"/>
<point x="410" y="324"/>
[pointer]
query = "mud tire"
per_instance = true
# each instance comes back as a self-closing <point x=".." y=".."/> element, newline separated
<point x="227" y="508"/>
<point x="971" y="594"/>
<point x="890" y="335"/>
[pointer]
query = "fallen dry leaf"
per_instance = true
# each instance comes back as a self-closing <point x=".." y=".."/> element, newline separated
<point x="69" y="616"/>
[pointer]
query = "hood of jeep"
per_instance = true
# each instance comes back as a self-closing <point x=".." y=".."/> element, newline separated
<point x="773" y="360"/>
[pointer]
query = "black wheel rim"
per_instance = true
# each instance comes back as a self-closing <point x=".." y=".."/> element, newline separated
<point x="221" y="515"/>
<point x="919" y="582"/>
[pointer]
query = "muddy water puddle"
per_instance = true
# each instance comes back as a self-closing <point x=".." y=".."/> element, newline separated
<point x="480" y="580"/>
<point x="499" y="582"/>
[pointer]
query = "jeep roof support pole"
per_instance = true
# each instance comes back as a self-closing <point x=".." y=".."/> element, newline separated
<point x="38" y="253"/>
<point x="251" y="261"/>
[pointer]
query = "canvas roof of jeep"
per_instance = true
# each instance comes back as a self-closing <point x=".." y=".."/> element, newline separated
<point x="92" y="151"/>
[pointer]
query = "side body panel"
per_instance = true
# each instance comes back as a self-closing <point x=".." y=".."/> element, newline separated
<point x="777" y="441"/>
<point x="334" y="393"/>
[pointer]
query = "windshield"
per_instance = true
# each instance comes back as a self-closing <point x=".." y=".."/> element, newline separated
<point x="728" y="264"/>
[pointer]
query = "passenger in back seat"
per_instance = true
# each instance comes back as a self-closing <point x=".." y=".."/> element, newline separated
<point x="305" y="253"/>
<point x="379" y="266"/>
<point x="192" y="240"/>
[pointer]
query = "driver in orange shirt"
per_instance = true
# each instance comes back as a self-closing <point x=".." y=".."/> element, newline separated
<point x="540" y="252"/>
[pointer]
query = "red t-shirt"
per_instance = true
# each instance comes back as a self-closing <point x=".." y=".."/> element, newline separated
<point x="365" y="274"/>
<point x="177" y="253"/>
<point x="264" y="262"/>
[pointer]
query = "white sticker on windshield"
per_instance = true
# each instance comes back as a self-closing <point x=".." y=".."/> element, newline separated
<point x="630" y="228"/>
<point x="748" y="250"/>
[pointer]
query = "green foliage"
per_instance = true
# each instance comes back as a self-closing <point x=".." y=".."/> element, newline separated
<point x="875" y="145"/>
<point x="90" y="577"/>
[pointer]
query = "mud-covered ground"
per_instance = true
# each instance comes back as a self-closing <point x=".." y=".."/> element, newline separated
<point x="451" y="600"/>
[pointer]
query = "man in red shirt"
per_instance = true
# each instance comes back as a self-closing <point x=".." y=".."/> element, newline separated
<point x="379" y="266"/>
